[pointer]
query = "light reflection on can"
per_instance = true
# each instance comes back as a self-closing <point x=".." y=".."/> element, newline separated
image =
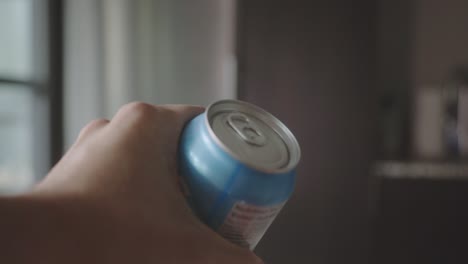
<point x="238" y="164"/>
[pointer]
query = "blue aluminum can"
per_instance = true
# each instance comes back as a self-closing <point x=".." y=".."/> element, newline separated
<point x="237" y="165"/>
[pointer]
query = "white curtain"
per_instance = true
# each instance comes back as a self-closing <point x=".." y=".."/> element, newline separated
<point x="157" y="51"/>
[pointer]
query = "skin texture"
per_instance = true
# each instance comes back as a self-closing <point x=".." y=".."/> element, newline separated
<point x="114" y="198"/>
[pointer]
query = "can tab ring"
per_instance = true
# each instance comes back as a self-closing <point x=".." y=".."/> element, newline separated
<point x="246" y="129"/>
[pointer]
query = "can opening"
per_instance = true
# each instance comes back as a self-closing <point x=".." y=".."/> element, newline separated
<point x="253" y="136"/>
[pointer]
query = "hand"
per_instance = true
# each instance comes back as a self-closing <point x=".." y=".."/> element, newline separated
<point x="118" y="186"/>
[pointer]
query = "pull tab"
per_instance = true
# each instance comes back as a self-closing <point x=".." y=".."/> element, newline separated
<point x="246" y="129"/>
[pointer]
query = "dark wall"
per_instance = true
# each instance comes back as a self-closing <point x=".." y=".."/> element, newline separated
<point x="421" y="221"/>
<point x="312" y="64"/>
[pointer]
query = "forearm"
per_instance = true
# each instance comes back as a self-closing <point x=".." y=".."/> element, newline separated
<point x="36" y="229"/>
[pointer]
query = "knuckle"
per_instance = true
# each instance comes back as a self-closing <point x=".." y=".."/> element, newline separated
<point x="93" y="125"/>
<point x="140" y="111"/>
<point x="97" y="123"/>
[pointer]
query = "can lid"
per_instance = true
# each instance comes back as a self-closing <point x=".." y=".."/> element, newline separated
<point x="253" y="136"/>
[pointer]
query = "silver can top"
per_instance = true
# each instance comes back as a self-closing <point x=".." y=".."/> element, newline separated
<point x="253" y="136"/>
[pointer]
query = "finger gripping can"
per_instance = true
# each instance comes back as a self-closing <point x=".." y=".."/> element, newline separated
<point x="237" y="165"/>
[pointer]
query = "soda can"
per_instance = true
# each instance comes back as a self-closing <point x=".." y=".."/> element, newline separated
<point x="237" y="164"/>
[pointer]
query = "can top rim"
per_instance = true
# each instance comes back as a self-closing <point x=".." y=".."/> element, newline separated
<point x="289" y="139"/>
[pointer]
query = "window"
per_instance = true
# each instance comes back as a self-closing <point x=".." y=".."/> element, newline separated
<point x="30" y="98"/>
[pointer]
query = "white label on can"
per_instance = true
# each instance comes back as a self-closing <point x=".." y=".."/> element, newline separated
<point x="245" y="224"/>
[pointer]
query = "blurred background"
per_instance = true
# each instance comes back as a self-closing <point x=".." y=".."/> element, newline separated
<point x="375" y="91"/>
